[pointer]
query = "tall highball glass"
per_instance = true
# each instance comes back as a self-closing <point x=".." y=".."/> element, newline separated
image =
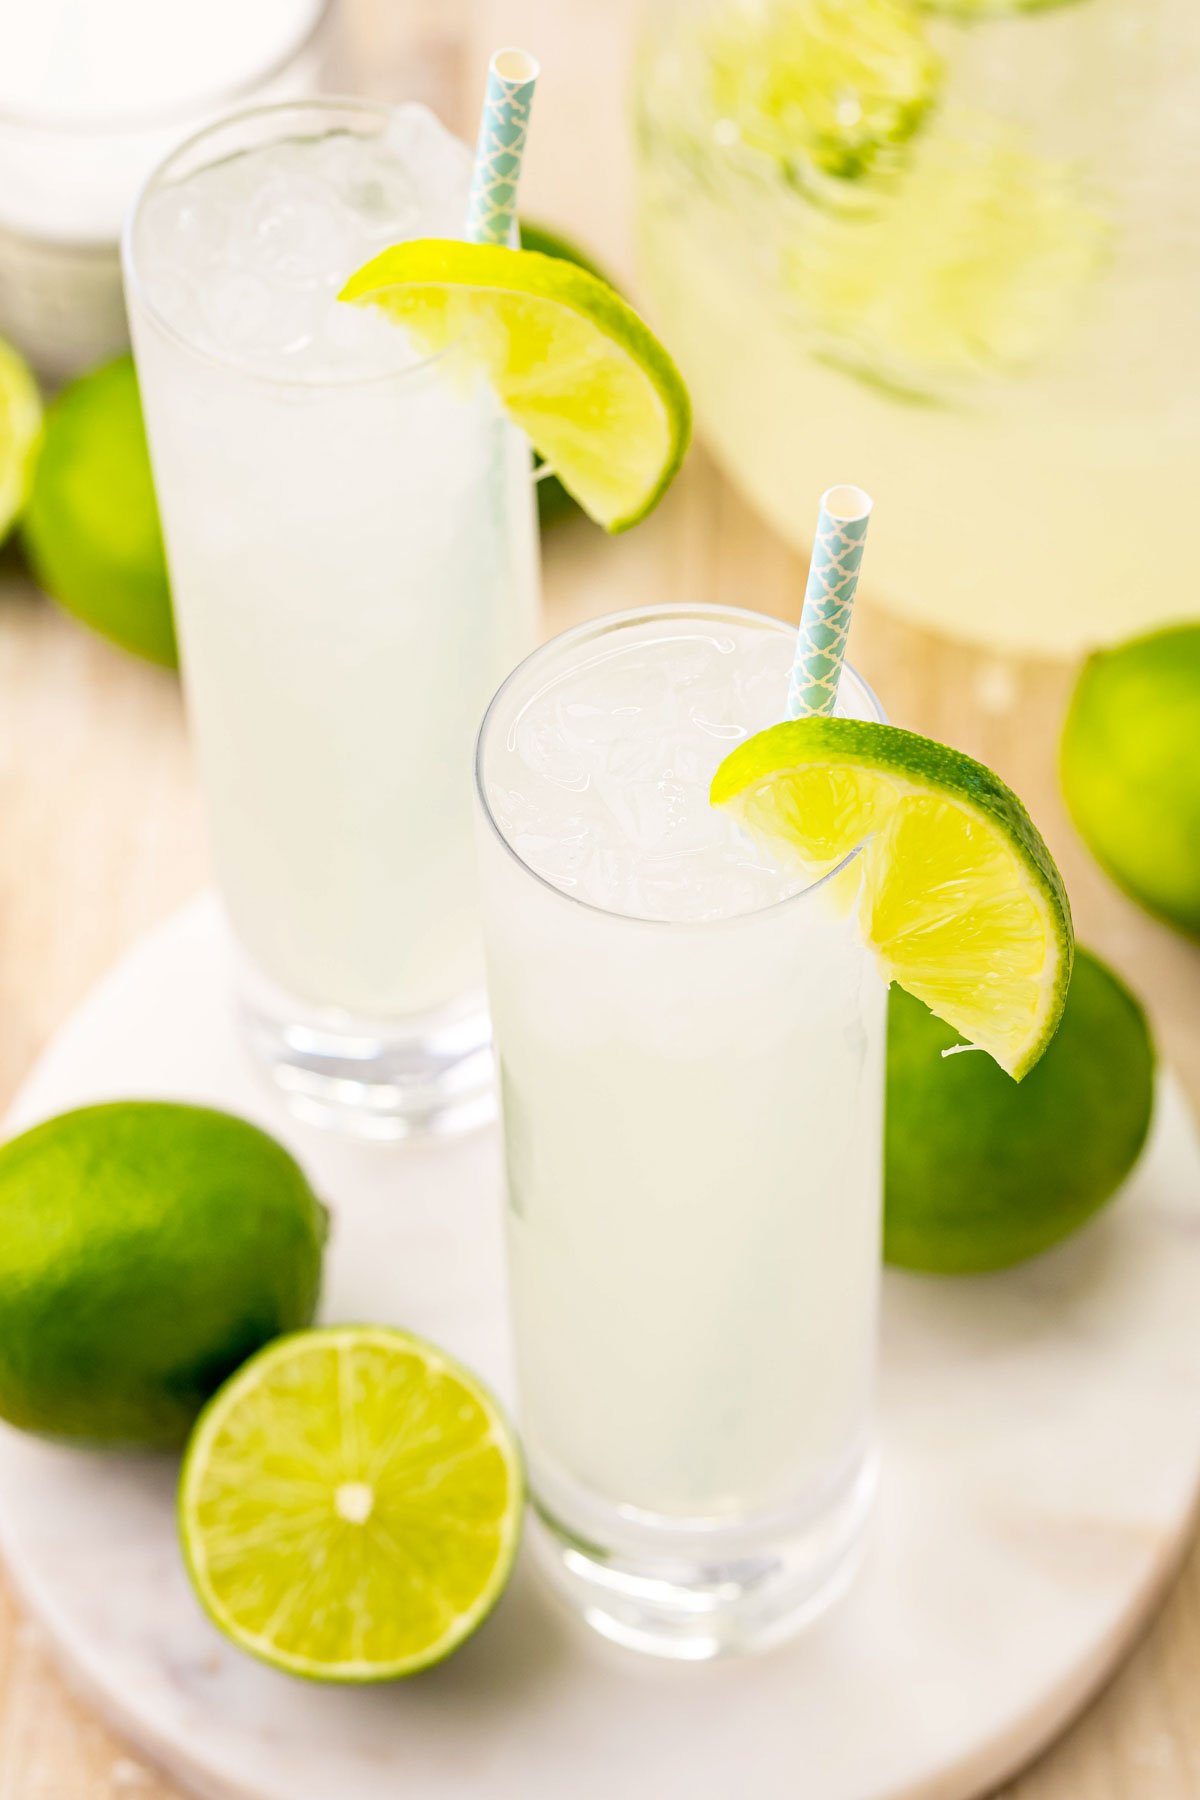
<point x="690" y="1042"/>
<point x="351" y="538"/>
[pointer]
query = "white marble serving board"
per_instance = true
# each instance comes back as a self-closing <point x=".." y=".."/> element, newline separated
<point x="1041" y="1437"/>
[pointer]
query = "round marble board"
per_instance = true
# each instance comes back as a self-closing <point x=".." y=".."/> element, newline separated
<point x="1041" y="1434"/>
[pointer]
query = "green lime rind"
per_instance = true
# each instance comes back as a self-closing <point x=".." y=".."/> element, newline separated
<point x="258" y="1515"/>
<point x="913" y="808"/>
<point x="1130" y="770"/>
<point x="981" y="1174"/>
<point x="586" y="379"/>
<point x="20" y="435"/>
<point x="146" y="1249"/>
<point x="91" y="527"/>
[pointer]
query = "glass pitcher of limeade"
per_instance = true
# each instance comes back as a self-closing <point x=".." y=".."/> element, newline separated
<point x="953" y="247"/>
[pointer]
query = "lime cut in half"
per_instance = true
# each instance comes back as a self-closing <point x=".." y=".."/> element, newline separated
<point x="959" y="897"/>
<point x="350" y="1505"/>
<point x="20" y="429"/>
<point x="574" y="366"/>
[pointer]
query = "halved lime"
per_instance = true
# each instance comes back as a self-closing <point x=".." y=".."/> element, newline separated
<point x="959" y="896"/>
<point x="578" y="370"/>
<point x="350" y="1504"/>
<point x="20" y="428"/>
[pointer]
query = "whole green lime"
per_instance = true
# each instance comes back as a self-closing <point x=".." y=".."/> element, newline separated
<point x="1130" y="765"/>
<point x="91" y="528"/>
<point x="982" y="1172"/>
<point x="146" y="1250"/>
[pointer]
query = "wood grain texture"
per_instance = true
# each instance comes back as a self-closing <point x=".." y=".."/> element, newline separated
<point x="102" y="832"/>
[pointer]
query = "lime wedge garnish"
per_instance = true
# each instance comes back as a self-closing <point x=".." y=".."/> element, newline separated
<point x="575" y="367"/>
<point x="20" y="428"/>
<point x="959" y="896"/>
<point x="350" y="1504"/>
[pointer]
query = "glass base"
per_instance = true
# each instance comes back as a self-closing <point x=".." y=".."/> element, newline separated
<point x="429" y="1077"/>
<point x="693" y="1591"/>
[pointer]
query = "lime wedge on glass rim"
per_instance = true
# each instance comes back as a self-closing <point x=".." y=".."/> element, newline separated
<point x="574" y="366"/>
<point x="20" y="430"/>
<point x="350" y="1504"/>
<point x="959" y="897"/>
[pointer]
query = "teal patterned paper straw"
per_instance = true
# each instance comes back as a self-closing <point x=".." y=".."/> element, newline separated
<point x="828" y="599"/>
<point x="492" y="206"/>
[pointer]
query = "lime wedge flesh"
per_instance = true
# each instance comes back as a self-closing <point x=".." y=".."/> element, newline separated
<point x="350" y="1505"/>
<point x="959" y="897"/>
<point x="574" y="366"/>
<point x="20" y="428"/>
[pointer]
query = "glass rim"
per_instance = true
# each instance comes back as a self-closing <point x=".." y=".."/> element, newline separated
<point x="314" y="104"/>
<point x="61" y="124"/>
<point x="615" y="622"/>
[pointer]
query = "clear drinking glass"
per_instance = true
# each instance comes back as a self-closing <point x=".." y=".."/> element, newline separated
<point x="353" y="556"/>
<point x="953" y="245"/>
<point x="690" y="1043"/>
<point x="91" y="99"/>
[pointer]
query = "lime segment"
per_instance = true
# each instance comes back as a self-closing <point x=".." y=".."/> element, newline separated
<point x="575" y="367"/>
<point x="350" y="1505"/>
<point x="20" y="427"/>
<point x="960" y="898"/>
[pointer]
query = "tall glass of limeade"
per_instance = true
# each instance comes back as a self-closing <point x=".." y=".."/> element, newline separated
<point x="351" y="539"/>
<point x="690" y="1039"/>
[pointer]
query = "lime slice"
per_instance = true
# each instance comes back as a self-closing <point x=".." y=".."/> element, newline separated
<point x="819" y="83"/>
<point x="350" y="1505"/>
<point x="959" y="896"/>
<point x="979" y="260"/>
<point x="589" y="383"/>
<point x="20" y="428"/>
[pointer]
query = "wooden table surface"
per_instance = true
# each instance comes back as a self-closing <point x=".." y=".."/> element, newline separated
<point x="102" y="832"/>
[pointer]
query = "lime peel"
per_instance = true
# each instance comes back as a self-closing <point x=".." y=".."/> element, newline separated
<point x="574" y="366"/>
<point x="350" y="1505"/>
<point x="959" y="896"/>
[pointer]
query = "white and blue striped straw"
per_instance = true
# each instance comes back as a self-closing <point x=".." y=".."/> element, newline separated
<point x="492" y="207"/>
<point x="828" y="601"/>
